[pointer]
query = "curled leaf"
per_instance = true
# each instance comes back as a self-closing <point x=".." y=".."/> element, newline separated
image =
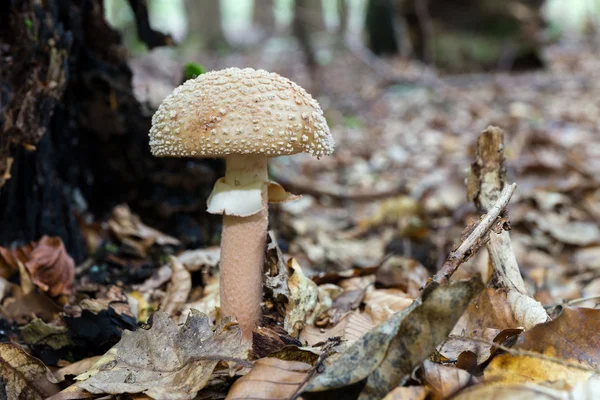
<point x="24" y="376"/>
<point x="51" y="267"/>
<point x="273" y="378"/>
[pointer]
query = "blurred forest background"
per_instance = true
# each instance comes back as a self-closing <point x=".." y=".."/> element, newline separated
<point x="80" y="81"/>
<point x="407" y="88"/>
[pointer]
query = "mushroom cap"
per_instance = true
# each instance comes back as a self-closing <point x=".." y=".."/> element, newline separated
<point x="239" y="111"/>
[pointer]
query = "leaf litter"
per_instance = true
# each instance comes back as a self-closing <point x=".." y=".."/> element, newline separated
<point x="349" y="267"/>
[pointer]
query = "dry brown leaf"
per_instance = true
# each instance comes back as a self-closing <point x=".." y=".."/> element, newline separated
<point x="381" y="304"/>
<point x="178" y="289"/>
<point x="306" y="302"/>
<point x="194" y="260"/>
<point x="51" y="267"/>
<point x="403" y="273"/>
<point x="24" y="376"/>
<point x="578" y="233"/>
<point x="350" y="328"/>
<point x="209" y="302"/>
<point x="134" y="234"/>
<point x="573" y="339"/>
<point x="388" y="353"/>
<point x="76" y="368"/>
<point x="444" y="381"/>
<point x="167" y="360"/>
<point x="271" y="378"/>
<point x="587" y="390"/>
<point x="270" y="339"/>
<point x="407" y="393"/>
<point x="9" y="258"/>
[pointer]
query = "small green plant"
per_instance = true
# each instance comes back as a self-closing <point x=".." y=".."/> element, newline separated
<point x="192" y="70"/>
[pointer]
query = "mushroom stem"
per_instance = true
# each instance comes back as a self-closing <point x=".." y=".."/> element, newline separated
<point x="243" y="243"/>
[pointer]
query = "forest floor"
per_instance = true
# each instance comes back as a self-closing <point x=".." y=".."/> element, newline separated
<point x="361" y="313"/>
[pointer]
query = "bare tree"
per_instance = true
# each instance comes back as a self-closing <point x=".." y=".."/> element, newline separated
<point x="263" y="17"/>
<point x="205" y="22"/>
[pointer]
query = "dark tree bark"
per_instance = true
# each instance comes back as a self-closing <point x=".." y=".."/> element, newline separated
<point x="76" y="134"/>
<point x="381" y="28"/>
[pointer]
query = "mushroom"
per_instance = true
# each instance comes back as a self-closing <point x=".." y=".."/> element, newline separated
<point x="245" y="116"/>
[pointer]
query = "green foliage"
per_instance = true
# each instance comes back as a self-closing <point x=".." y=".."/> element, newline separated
<point x="192" y="70"/>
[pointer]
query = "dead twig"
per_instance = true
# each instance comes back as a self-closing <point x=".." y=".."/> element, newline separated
<point x="478" y="236"/>
<point x="487" y="178"/>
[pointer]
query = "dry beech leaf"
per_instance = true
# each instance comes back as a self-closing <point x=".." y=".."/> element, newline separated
<point x="587" y="390"/>
<point x="350" y="328"/>
<point x="47" y="261"/>
<point x="166" y="361"/>
<point x="271" y="378"/>
<point x="574" y="338"/>
<point x="485" y="318"/>
<point x="9" y="258"/>
<point x="76" y="368"/>
<point x="407" y="393"/>
<point x="381" y="304"/>
<point x="194" y="260"/>
<point x="578" y="233"/>
<point x="135" y="235"/>
<point x="306" y="302"/>
<point x="209" y="302"/>
<point x="403" y="273"/>
<point x="178" y="289"/>
<point x="24" y="376"/>
<point x="444" y="380"/>
<point x="387" y="354"/>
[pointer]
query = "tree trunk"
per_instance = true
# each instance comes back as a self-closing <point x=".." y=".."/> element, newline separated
<point x="380" y="25"/>
<point x="263" y="18"/>
<point x="205" y="22"/>
<point x="343" y="9"/>
<point x="302" y="33"/>
<point x="76" y="136"/>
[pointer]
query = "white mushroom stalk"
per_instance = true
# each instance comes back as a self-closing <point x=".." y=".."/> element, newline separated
<point x="244" y="116"/>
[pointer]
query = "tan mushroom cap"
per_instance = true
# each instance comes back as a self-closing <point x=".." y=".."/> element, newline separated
<point x="239" y="111"/>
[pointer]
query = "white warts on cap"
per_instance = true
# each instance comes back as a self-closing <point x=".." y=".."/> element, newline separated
<point x="239" y="111"/>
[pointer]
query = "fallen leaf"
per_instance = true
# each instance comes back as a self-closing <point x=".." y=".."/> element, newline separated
<point x="178" y="289"/>
<point x="24" y="376"/>
<point x="166" y="361"/>
<point x="387" y="354"/>
<point x="38" y="332"/>
<point x="576" y="351"/>
<point x="407" y="393"/>
<point x="381" y="304"/>
<point x="137" y="237"/>
<point x="276" y="274"/>
<point x="306" y="302"/>
<point x="194" y="260"/>
<point x="76" y="368"/>
<point x="587" y="390"/>
<point x="51" y="267"/>
<point x="403" y="273"/>
<point x="350" y="328"/>
<point x="444" y="381"/>
<point x="578" y="233"/>
<point x="9" y="258"/>
<point x="271" y="378"/>
<point x="270" y="339"/>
